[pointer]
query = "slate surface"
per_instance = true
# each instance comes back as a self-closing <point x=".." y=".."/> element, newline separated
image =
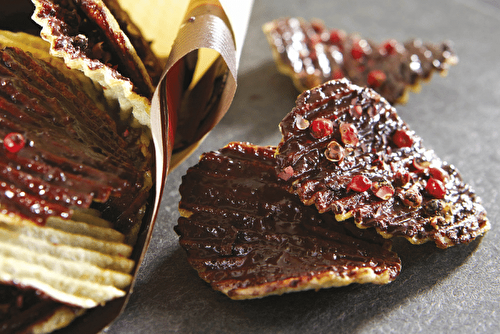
<point x="439" y="291"/>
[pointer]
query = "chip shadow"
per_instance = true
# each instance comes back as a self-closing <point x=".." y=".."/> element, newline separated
<point x="263" y="98"/>
<point x="170" y="297"/>
<point x="175" y="299"/>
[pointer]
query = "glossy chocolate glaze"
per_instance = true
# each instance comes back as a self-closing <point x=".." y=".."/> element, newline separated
<point x="243" y="229"/>
<point x="389" y="154"/>
<point x="312" y="54"/>
<point x="21" y="309"/>
<point x="75" y="153"/>
<point x="141" y="45"/>
<point x="83" y="32"/>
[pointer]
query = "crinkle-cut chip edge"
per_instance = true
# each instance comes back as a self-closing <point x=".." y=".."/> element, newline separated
<point x="91" y="217"/>
<point x="115" y="27"/>
<point x="386" y="235"/>
<point x="442" y="241"/>
<point x="60" y="318"/>
<point x="67" y="252"/>
<point x="33" y="44"/>
<point x="62" y="237"/>
<point x="84" y="224"/>
<point x="417" y="86"/>
<point x="65" y="267"/>
<point x="269" y="27"/>
<point x="114" y="88"/>
<point x="40" y="49"/>
<point x="44" y="271"/>
<point x="280" y="65"/>
<point x="76" y="227"/>
<point x="60" y="288"/>
<point x="294" y="284"/>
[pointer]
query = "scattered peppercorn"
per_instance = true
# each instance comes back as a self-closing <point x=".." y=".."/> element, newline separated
<point x="14" y="142"/>
<point x="349" y="134"/>
<point x="359" y="183"/>
<point x="435" y="188"/>
<point x="376" y="78"/>
<point x="334" y="152"/>
<point x="321" y="127"/>
<point x="402" y="138"/>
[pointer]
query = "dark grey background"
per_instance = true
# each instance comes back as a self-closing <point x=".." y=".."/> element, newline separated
<point x="439" y="291"/>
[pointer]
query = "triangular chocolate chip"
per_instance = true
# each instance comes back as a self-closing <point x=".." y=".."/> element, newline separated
<point x="346" y="150"/>
<point x="249" y="237"/>
<point x="311" y="54"/>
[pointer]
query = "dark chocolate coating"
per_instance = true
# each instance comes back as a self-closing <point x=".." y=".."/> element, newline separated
<point x="313" y="54"/>
<point x="388" y="154"/>
<point x="20" y="309"/>
<point x="246" y="230"/>
<point x="75" y="154"/>
<point x="82" y="31"/>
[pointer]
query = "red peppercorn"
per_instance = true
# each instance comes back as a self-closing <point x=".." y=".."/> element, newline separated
<point x="420" y="166"/>
<point x="376" y="78"/>
<point x="315" y="39"/>
<point x="357" y="51"/>
<point x="435" y="188"/>
<point x="402" y="138"/>
<point x="334" y="152"/>
<point x="14" y="142"/>
<point x="286" y="173"/>
<point x="349" y="134"/>
<point x="389" y="47"/>
<point x="321" y="127"/>
<point x="359" y="183"/>
<point x="384" y="192"/>
<point x="301" y="123"/>
<point x="356" y="111"/>
<point x="438" y="173"/>
<point x="336" y="36"/>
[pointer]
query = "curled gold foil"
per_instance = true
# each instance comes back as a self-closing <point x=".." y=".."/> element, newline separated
<point x="208" y="43"/>
<point x="181" y="95"/>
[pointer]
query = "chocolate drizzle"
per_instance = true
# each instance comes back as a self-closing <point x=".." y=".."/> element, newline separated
<point x="312" y="54"/>
<point x="389" y="155"/>
<point x="82" y="29"/>
<point x="20" y="309"/>
<point x="248" y="236"/>
<point x="75" y="153"/>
